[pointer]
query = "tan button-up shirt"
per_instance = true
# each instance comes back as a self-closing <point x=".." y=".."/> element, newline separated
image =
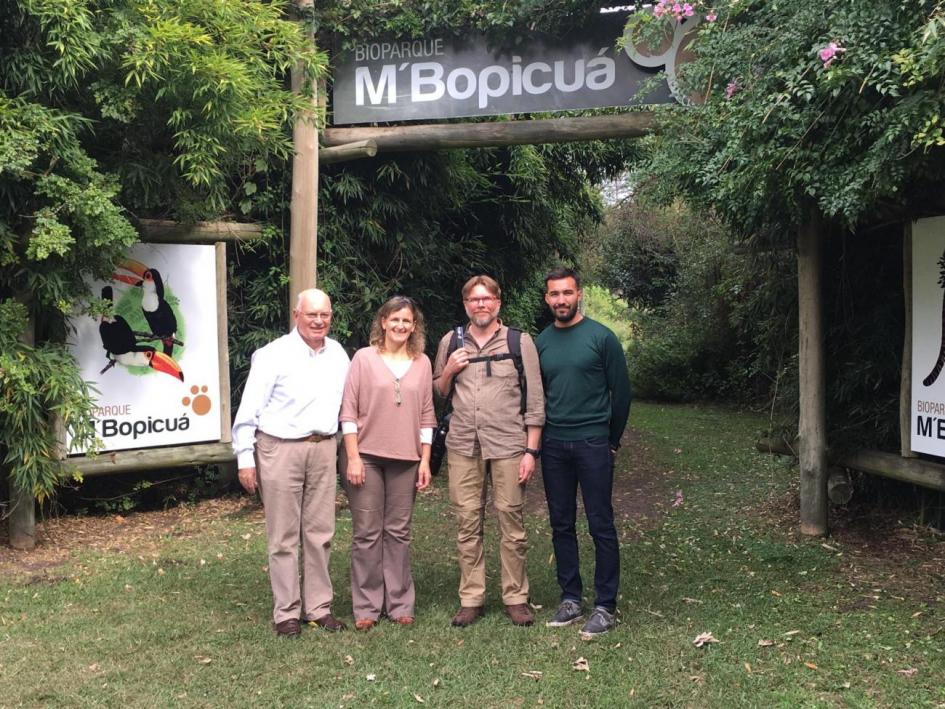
<point x="487" y="401"/>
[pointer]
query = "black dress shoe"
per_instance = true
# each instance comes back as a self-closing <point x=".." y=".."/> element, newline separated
<point x="288" y="628"/>
<point x="329" y="622"/>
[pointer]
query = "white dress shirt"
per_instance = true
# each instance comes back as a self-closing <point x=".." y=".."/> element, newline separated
<point x="292" y="391"/>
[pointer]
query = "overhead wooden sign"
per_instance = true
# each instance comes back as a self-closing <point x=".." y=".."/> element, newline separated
<point x="437" y="77"/>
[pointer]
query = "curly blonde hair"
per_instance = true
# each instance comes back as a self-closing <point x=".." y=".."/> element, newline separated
<point x="417" y="340"/>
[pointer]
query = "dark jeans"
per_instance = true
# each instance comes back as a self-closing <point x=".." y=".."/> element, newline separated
<point x="590" y="464"/>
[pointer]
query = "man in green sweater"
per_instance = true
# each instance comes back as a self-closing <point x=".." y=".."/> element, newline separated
<point x="587" y="402"/>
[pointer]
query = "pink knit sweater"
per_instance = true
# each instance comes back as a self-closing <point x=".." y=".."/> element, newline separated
<point x="385" y="428"/>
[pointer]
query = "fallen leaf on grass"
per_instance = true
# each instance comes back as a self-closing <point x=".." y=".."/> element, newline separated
<point x="533" y="674"/>
<point x="829" y="548"/>
<point x="581" y="665"/>
<point x="792" y="632"/>
<point x="765" y="643"/>
<point x="371" y="678"/>
<point x="678" y="500"/>
<point x="775" y="593"/>
<point x="691" y="600"/>
<point x="246" y="537"/>
<point x="436" y="682"/>
<point x="917" y="614"/>
<point x="419" y="699"/>
<point x="535" y="606"/>
<point x="747" y="668"/>
<point x="810" y="665"/>
<point x="203" y="659"/>
<point x="703" y="639"/>
<point x="349" y="660"/>
<point x="908" y="673"/>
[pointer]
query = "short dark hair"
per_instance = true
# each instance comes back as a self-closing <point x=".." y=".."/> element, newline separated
<point x="556" y="274"/>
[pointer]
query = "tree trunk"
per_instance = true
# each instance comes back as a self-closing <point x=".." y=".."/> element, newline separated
<point x="812" y="425"/>
<point x="304" y="206"/>
<point x="905" y="381"/>
<point x="22" y="523"/>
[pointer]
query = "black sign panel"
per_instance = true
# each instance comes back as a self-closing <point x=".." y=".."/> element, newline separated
<point x="435" y="77"/>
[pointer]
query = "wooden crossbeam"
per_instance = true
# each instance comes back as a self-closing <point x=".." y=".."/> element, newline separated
<point x="152" y="458"/>
<point x="888" y="465"/>
<point x="164" y="231"/>
<point x="348" y="151"/>
<point x="442" y="136"/>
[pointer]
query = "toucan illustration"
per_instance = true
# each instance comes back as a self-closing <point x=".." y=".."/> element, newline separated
<point x="121" y="345"/>
<point x="157" y="311"/>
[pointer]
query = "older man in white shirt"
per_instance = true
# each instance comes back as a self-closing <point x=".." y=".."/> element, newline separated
<point x="284" y="438"/>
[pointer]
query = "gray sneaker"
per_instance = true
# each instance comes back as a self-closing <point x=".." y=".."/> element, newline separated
<point x="600" y="622"/>
<point x="568" y="612"/>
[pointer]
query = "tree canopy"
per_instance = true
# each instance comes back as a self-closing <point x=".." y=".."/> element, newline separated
<point x="806" y="104"/>
<point x="111" y="109"/>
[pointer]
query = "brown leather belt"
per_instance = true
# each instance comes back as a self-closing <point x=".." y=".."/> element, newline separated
<point x="313" y="438"/>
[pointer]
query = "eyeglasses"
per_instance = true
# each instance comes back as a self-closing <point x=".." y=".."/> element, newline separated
<point x="312" y="317"/>
<point x="484" y="300"/>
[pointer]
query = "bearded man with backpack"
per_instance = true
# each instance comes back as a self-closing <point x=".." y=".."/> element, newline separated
<point x="492" y="379"/>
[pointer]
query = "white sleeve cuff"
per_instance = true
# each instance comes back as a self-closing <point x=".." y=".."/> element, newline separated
<point x="245" y="459"/>
<point x="426" y="435"/>
<point x="349" y="427"/>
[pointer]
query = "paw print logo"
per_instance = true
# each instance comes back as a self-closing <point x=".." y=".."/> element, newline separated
<point x="200" y="403"/>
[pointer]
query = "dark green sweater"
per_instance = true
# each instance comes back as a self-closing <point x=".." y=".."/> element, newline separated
<point x="587" y="387"/>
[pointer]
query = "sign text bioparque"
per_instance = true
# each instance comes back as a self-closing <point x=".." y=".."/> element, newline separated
<point x="448" y="78"/>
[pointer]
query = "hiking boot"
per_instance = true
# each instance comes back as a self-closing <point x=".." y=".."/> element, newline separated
<point x="519" y="614"/>
<point x="328" y="622"/>
<point x="467" y="615"/>
<point x="601" y="621"/>
<point x="568" y="612"/>
<point x="288" y="628"/>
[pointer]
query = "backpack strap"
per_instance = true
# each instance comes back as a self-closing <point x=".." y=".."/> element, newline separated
<point x="514" y="338"/>
<point x="515" y="349"/>
<point x="456" y="340"/>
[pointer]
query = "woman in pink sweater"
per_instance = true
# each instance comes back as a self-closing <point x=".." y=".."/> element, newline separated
<point x="387" y="419"/>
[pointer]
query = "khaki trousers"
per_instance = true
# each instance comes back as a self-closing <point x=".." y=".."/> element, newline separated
<point x="381" y="511"/>
<point x="297" y="485"/>
<point x="467" y="485"/>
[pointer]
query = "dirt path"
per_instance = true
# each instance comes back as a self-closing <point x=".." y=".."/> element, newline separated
<point x="642" y="490"/>
<point x="640" y="497"/>
<point x="875" y="545"/>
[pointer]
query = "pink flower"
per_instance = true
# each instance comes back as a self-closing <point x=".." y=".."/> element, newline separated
<point x="659" y="10"/>
<point x="731" y="88"/>
<point x="829" y="53"/>
<point x="687" y="10"/>
<point x="711" y="17"/>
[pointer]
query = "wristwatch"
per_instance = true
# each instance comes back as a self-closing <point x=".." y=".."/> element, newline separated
<point x="535" y="452"/>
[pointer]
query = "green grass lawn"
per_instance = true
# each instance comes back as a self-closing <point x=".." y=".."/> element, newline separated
<point x="799" y="622"/>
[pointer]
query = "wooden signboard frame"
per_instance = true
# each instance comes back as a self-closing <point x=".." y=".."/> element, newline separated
<point x="210" y="453"/>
